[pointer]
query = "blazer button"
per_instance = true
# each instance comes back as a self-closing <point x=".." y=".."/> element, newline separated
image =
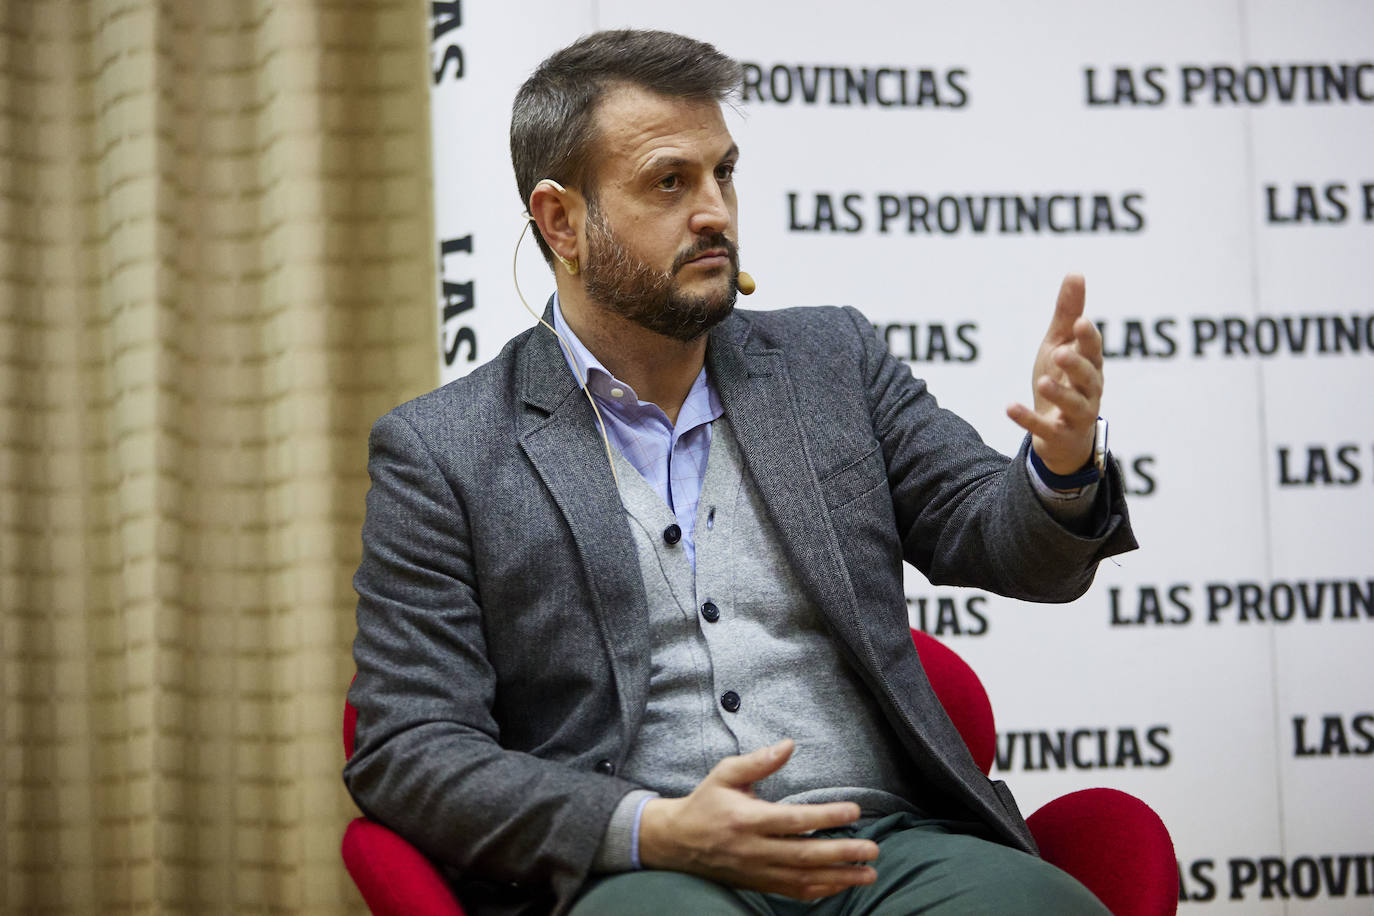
<point x="710" y="612"/>
<point x="730" y="700"/>
<point x="605" y="767"/>
<point x="671" y="535"/>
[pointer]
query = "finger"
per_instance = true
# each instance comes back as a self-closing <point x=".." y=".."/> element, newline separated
<point x="1032" y="422"/>
<point x="793" y="820"/>
<point x="813" y="892"/>
<point x="1074" y="406"/>
<point x="1079" y="372"/>
<point x="747" y="769"/>
<point x="843" y="880"/>
<point x="808" y="883"/>
<point x="803" y="852"/>
<point x="1067" y="308"/>
<point x="1089" y="341"/>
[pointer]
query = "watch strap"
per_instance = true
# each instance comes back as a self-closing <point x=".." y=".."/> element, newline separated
<point x="1088" y="474"/>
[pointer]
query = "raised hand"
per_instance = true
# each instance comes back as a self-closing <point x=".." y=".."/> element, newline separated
<point x="1067" y="385"/>
<point x="724" y="833"/>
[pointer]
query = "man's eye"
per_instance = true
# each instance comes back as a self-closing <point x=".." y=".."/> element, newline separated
<point x="725" y="172"/>
<point x="669" y="182"/>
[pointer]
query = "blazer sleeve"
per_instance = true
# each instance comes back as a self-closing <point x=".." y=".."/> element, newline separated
<point x="428" y="762"/>
<point x="967" y="515"/>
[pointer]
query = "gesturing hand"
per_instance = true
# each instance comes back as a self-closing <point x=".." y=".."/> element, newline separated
<point x="722" y="832"/>
<point x="1067" y="384"/>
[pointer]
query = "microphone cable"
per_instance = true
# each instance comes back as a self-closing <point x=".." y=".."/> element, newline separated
<point x="578" y="370"/>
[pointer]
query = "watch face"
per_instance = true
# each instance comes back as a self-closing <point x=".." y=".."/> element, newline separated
<point x="1100" y="445"/>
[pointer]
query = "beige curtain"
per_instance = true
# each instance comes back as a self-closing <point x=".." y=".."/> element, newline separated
<point x="216" y="270"/>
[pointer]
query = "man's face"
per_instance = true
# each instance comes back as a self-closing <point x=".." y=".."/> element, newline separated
<point x="661" y="223"/>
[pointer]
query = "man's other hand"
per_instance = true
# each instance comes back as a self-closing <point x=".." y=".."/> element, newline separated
<point x="1067" y="385"/>
<point x="724" y="833"/>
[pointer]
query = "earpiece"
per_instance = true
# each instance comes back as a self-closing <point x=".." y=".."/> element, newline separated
<point x="571" y="266"/>
<point x="746" y="284"/>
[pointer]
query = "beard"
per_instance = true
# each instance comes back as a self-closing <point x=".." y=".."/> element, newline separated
<point x="649" y="297"/>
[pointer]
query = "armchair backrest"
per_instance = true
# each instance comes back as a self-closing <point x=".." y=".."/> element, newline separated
<point x="350" y="725"/>
<point x="962" y="695"/>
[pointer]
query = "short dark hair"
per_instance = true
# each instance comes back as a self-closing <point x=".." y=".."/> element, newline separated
<point x="551" y="125"/>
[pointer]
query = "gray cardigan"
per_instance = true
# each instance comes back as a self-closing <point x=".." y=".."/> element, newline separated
<point x="502" y="648"/>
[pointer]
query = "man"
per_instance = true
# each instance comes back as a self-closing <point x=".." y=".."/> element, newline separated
<point x="644" y="647"/>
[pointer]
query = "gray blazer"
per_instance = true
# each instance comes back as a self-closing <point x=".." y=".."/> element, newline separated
<point x="502" y="647"/>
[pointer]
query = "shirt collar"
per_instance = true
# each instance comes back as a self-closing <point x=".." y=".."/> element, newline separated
<point x="701" y="406"/>
<point x="599" y="380"/>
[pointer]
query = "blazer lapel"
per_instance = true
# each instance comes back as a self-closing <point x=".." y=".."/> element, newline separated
<point x="559" y="433"/>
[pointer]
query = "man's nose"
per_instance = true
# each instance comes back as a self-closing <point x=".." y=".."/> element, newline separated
<point x="710" y="213"/>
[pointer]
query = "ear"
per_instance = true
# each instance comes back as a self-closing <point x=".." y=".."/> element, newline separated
<point x="558" y="213"/>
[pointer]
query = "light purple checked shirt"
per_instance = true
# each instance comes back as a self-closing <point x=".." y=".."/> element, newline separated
<point x="672" y="459"/>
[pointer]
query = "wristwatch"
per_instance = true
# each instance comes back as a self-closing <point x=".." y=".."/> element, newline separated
<point x="1100" y="445"/>
<point x="1090" y="473"/>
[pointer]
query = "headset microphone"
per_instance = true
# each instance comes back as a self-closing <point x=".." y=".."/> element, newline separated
<point x="746" y="284"/>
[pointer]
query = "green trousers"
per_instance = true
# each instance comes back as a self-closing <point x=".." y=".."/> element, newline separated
<point x="924" y="866"/>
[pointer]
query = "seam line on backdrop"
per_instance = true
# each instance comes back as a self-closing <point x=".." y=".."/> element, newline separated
<point x="1265" y="502"/>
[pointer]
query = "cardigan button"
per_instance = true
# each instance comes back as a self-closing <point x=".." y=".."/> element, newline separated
<point x="730" y="700"/>
<point x="671" y="535"/>
<point x="605" y="767"/>
<point x="710" y="612"/>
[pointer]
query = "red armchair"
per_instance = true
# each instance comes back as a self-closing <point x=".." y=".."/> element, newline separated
<point x="394" y="878"/>
<point x="1110" y="841"/>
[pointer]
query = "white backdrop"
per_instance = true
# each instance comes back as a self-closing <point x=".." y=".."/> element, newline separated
<point x="1207" y="166"/>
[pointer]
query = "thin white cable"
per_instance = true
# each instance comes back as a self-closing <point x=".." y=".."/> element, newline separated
<point x="578" y="370"/>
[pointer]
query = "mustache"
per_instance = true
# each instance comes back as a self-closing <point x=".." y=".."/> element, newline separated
<point x="705" y="244"/>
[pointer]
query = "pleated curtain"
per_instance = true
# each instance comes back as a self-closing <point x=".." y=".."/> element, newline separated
<point x="216" y="270"/>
